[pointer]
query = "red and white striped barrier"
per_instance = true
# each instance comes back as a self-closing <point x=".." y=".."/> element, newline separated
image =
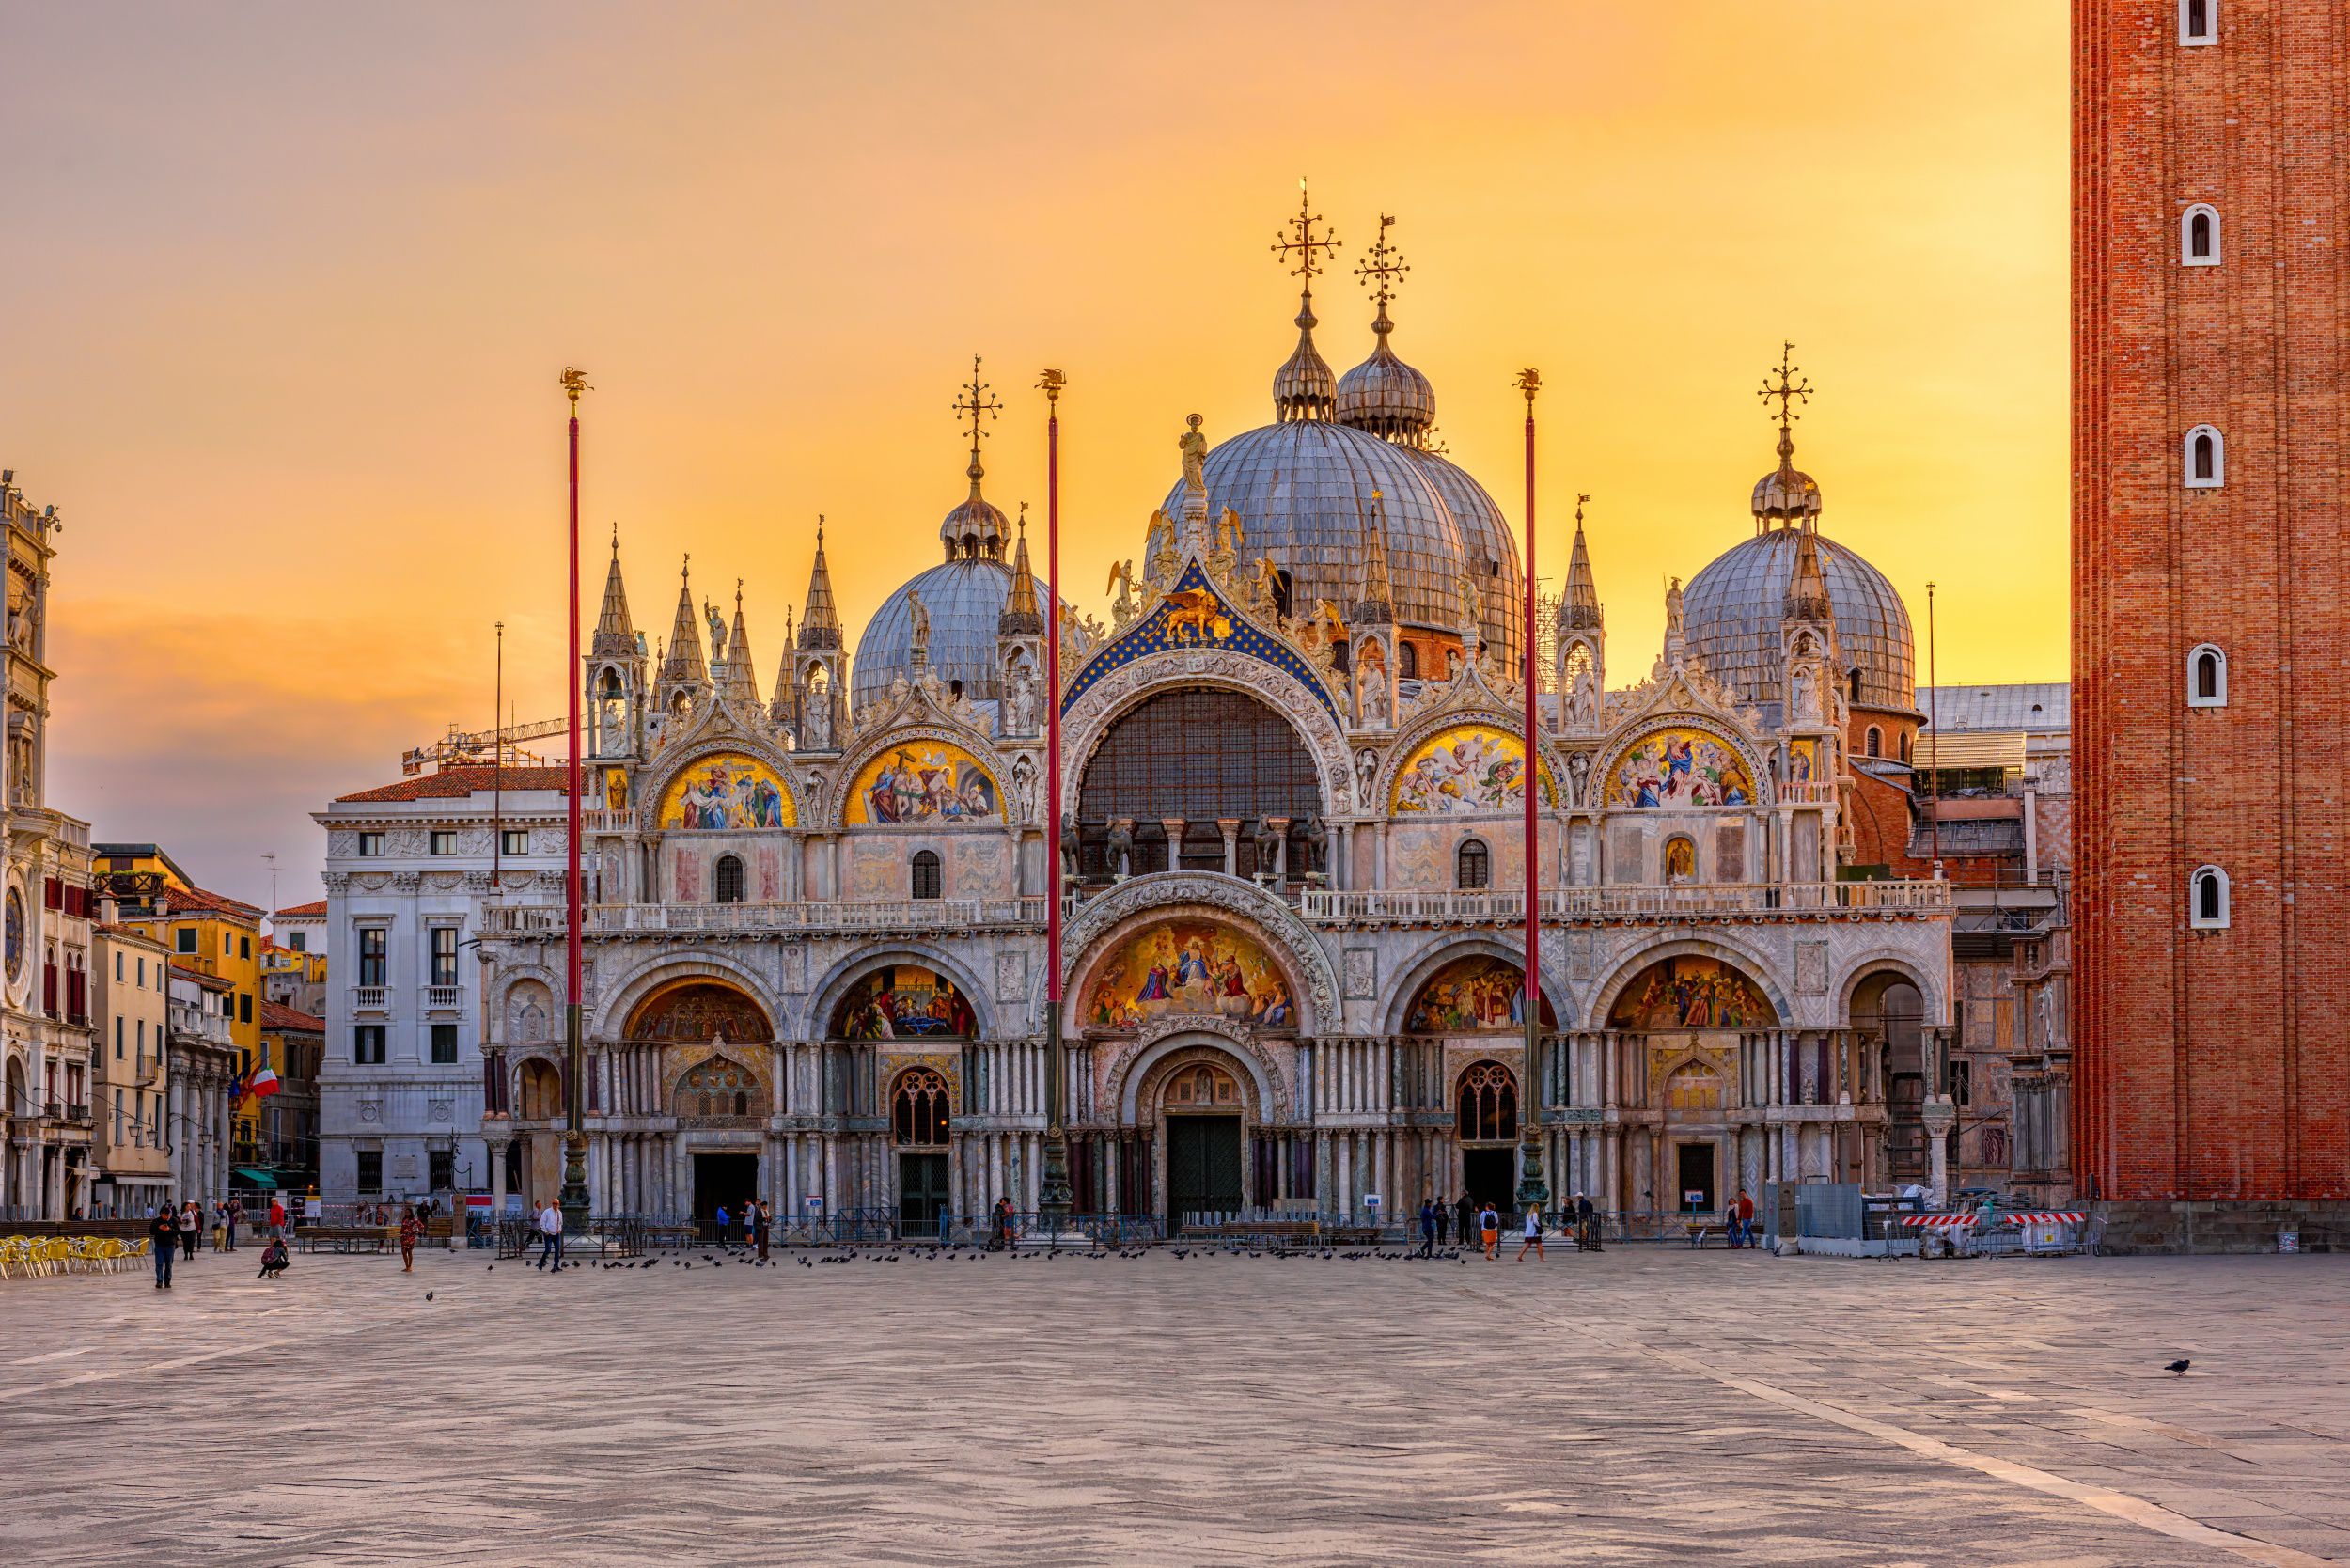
<point x="2045" y="1217"/>
<point x="1939" y="1221"/>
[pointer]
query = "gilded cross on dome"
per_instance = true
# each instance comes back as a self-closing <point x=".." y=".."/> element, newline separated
<point x="1789" y="390"/>
<point x="976" y="405"/>
<point x="1385" y="268"/>
<point x="1306" y="243"/>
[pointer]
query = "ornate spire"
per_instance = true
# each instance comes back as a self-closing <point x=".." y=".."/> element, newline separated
<point x="1581" y="610"/>
<point x="1303" y="389"/>
<point x="1381" y="273"/>
<point x="1020" y="615"/>
<point x="684" y="659"/>
<point x="742" y="680"/>
<point x="819" y="623"/>
<point x="1377" y="605"/>
<point x="616" y="635"/>
<point x="1786" y="494"/>
<point x="1807" y="586"/>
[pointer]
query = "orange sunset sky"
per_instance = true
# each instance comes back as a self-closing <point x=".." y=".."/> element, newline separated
<point x="289" y="289"/>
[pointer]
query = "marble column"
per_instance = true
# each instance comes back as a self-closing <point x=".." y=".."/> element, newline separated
<point x="1230" y="828"/>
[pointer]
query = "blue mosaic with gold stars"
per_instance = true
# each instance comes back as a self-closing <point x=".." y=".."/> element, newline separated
<point x="1194" y="615"/>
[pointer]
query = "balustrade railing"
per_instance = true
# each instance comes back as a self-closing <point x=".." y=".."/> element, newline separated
<point x="443" y="999"/>
<point x="837" y="915"/>
<point x="1406" y="905"/>
<point x="371" y="999"/>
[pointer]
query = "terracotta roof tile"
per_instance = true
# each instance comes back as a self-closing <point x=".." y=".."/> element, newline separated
<point x="315" y="910"/>
<point x="210" y="982"/>
<point x="195" y="901"/>
<point x="466" y="779"/>
<point x="276" y="1016"/>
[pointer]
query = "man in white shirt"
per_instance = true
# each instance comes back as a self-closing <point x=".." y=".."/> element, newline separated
<point x="550" y="1235"/>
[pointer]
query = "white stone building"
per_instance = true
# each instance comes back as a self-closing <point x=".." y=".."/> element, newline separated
<point x="408" y="868"/>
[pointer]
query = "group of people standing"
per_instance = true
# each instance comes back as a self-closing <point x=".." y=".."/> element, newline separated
<point x="1479" y="1225"/>
<point x="751" y="1228"/>
<point x="174" y="1232"/>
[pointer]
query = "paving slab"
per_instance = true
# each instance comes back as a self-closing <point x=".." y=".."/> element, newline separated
<point x="1637" y="1406"/>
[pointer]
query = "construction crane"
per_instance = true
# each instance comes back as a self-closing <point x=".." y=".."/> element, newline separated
<point x="483" y="746"/>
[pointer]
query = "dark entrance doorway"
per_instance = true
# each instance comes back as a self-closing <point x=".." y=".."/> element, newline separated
<point x="1697" y="1175"/>
<point x="1490" y="1176"/>
<point x="1202" y="1166"/>
<point x="731" y="1180"/>
<point x="921" y="1194"/>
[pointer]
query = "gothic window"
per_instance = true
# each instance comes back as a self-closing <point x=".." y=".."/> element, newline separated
<point x="2199" y="236"/>
<point x="1852" y="683"/>
<point x="726" y="880"/>
<point x="918" y="1109"/>
<point x="1407" y="661"/>
<point x="1195" y="758"/>
<point x="2199" y="21"/>
<point x="1904" y="746"/>
<point x="2206" y="459"/>
<point x="2207" y="898"/>
<point x="1475" y="864"/>
<point x="1488" y="1104"/>
<point x="926" y="877"/>
<point x="2207" y="677"/>
<point x="1873" y="741"/>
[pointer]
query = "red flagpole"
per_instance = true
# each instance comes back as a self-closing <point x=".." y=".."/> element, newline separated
<point x="1052" y="1189"/>
<point x="1531" y="1190"/>
<point x="575" y="1067"/>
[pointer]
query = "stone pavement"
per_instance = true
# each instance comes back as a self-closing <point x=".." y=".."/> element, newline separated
<point x="1636" y="1407"/>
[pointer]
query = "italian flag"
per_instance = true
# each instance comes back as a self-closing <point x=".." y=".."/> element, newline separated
<point x="261" y="1085"/>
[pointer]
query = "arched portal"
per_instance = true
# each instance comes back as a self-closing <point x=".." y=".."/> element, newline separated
<point x="1195" y="758"/>
<point x="1201" y="1103"/>
<point x="1485" y="1122"/>
<point x="1696" y="1023"/>
<point x="1888" y="1015"/>
<point x="920" y="1104"/>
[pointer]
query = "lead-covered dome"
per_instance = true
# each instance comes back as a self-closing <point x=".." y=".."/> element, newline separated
<point x="1387" y="397"/>
<point x="1490" y="547"/>
<point x="1304" y="490"/>
<point x="963" y="597"/>
<point x="1732" y="613"/>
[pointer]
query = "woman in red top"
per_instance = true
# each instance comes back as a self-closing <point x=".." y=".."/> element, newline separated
<point x="410" y="1228"/>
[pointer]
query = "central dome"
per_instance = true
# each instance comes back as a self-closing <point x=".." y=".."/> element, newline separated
<point x="1303" y="492"/>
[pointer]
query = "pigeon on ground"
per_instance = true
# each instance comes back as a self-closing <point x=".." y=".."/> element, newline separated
<point x="2178" y="1368"/>
<point x="428" y="1295"/>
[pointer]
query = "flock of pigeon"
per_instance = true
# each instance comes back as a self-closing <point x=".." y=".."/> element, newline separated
<point x="960" y="1253"/>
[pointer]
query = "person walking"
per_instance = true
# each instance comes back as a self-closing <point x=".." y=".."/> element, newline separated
<point x="236" y="1218"/>
<point x="1489" y="1229"/>
<point x="762" y="1224"/>
<point x="163" y="1241"/>
<point x="1444" y="1219"/>
<point x="1744" y="1211"/>
<point x="1003" y="1223"/>
<point x="1534" y="1233"/>
<point x="1466" y="1212"/>
<point x="551" y="1237"/>
<point x="1586" y="1224"/>
<point x="410" y="1228"/>
<point x="1426" y="1227"/>
<point x="190" y="1224"/>
<point x="723" y="1222"/>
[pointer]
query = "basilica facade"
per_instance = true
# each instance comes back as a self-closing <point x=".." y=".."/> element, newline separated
<point x="1290" y="842"/>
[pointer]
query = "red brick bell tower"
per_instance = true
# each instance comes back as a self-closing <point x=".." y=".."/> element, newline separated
<point x="2211" y="555"/>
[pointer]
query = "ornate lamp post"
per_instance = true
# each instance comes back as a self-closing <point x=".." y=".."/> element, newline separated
<point x="574" y="1198"/>
<point x="1533" y="1192"/>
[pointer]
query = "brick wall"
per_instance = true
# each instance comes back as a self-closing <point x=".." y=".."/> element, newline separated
<point x="2211" y="1065"/>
